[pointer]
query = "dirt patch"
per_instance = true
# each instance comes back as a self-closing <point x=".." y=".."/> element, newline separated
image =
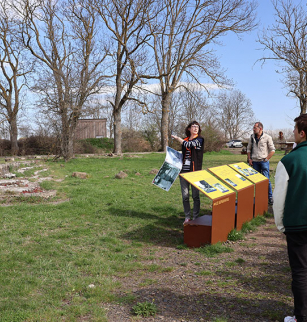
<point x="250" y="284"/>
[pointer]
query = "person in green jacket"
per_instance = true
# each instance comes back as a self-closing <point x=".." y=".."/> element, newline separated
<point x="290" y="213"/>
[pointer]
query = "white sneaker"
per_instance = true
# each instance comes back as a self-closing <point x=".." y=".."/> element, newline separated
<point x="290" y="319"/>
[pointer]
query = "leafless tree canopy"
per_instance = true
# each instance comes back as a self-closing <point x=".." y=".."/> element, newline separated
<point x="286" y="42"/>
<point x="14" y="67"/>
<point x="62" y="36"/>
<point x="234" y="114"/>
<point x="79" y="46"/>
<point x="183" y="44"/>
<point x="126" y="22"/>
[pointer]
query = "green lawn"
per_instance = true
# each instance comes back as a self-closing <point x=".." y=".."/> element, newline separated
<point x="59" y="261"/>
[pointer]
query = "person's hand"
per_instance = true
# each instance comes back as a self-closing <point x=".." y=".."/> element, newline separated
<point x="250" y="161"/>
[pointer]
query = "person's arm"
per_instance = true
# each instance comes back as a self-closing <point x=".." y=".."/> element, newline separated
<point x="177" y="138"/>
<point x="279" y="195"/>
<point x="271" y="148"/>
<point x="250" y="161"/>
<point x="270" y="155"/>
<point x="249" y="149"/>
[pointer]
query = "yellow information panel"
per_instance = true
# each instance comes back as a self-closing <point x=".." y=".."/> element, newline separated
<point x="231" y="177"/>
<point x="248" y="172"/>
<point x="207" y="183"/>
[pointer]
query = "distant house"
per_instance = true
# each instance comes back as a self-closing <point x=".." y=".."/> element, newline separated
<point x="91" y="128"/>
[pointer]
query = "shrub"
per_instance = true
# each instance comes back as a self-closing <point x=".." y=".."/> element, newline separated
<point x="253" y="224"/>
<point x="213" y="138"/>
<point x="38" y="144"/>
<point x="235" y="235"/>
<point x="133" y="141"/>
<point x="105" y="144"/>
<point x="145" y="309"/>
<point x="83" y="146"/>
<point x="151" y="135"/>
<point x="5" y="147"/>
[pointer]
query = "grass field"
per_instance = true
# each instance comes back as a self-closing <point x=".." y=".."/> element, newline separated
<point x="60" y="261"/>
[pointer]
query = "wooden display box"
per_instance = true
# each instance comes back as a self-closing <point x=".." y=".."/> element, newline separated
<point x="212" y="229"/>
<point x="261" y="197"/>
<point x="245" y="193"/>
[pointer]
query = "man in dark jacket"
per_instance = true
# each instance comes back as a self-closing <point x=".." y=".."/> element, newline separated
<point x="192" y="156"/>
<point x="290" y="212"/>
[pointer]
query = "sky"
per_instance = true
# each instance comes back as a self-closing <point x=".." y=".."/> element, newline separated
<point x="260" y="83"/>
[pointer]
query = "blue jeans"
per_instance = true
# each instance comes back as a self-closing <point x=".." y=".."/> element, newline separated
<point x="185" y="187"/>
<point x="264" y="168"/>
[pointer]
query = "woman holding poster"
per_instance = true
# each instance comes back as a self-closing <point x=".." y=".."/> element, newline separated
<point x="192" y="152"/>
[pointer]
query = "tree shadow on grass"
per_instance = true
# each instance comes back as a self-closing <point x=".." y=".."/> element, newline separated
<point x="164" y="229"/>
<point x="273" y="281"/>
<point x="207" y="306"/>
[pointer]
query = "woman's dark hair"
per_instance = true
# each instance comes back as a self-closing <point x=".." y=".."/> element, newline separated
<point x="301" y="123"/>
<point x="187" y="131"/>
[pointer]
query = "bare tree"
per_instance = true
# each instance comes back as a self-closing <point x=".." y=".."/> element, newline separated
<point x="14" y="67"/>
<point x="194" y="105"/>
<point x="286" y="41"/>
<point x="187" y="103"/>
<point x="126" y="21"/>
<point x="62" y="36"/>
<point x="234" y="114"/>
<point x="183" y="44"/>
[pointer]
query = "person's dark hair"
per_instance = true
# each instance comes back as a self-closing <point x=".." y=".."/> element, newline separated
<point x="260" y="125"/>
<point x="187" y="131"/>
<point x="301" y="123"/>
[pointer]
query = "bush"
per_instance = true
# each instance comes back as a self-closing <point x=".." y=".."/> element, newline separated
<point x="82" y="146"/>
<point x="133" y="141"/>
<point x="247" y="227"/>
<point x="38" y="144"/>
<point x="151" y="135"/>
<point x="105" y="144"/>
<point x="145" y="309"/>
<point x="213" y="138"/>
<point x="5" y="147"/>
<point x="235" y="235"/>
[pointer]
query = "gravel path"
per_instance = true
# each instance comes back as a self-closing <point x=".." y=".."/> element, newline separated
<point x="250" y="284"/>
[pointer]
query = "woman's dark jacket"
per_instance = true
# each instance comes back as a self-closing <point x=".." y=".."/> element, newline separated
<point x="197" y="151"/>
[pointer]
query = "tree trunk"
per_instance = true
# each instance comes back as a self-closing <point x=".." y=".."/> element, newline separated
<point x="117" y="132"/>
<point x="13" y="136"/>
<point x="166" y="101"/>
<point x="67" y="144"/>
<point x="67" y="138"/>
<point x="303" y="103"/>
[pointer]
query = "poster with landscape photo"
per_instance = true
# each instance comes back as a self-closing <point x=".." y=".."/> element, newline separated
<point x="169" y="170"/>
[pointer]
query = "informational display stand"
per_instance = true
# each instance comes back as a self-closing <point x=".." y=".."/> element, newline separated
<point x="261" y="186"/>
<point x="244" y="189"/>
<point x="211" y="229"/>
